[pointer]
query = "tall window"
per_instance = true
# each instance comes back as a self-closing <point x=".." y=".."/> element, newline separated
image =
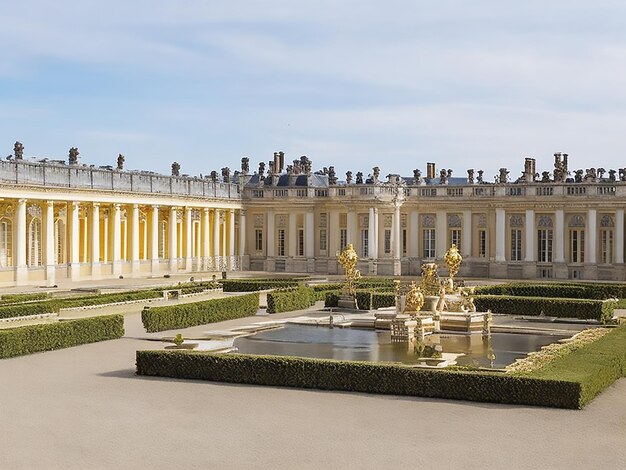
<point x="429" y="242"/>
<point x="343" y="239"/>
<point x="516" y="244"/>
<point x="387" y="244"/>
<point x="455" y="237"/>
<point x="34" y="242"/>
<point x="482" y="243"/>
<point x="544" y="245"/>
<point x="606" y="246"/>
<point x="323" y="241"/>
<point x="258" y="240"/>
<point x="281" y="242"/>
<point x="300" y="242"/>
<point x="404" y="242"/>
<point x="59" y="241"/>
<point x="6" y="243"/>
<point x="365" y="239"/>
<point x="577" y="246"/>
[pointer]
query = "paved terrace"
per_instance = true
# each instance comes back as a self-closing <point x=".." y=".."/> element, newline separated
<point x="84" y="407"/>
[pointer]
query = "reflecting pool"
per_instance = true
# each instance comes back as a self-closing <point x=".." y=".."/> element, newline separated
<point x="498" y="350"/>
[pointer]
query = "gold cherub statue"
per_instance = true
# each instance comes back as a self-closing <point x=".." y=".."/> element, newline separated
<point x="348" y="260"/>
<point x="453" y="260"/>
<point x="414" y="300"/>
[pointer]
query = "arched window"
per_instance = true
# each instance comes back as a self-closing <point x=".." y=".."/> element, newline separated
<point x="34" y="242"/>
<point x="6" y="243"/>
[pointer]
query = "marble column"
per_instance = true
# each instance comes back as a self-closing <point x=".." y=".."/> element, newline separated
<point x="309" y="234"/>
<point x="206" y="239"/>
<point x="95" y="241"/>
<point x="351" y="226"/>
<point x="75" y="242"/>
<point x="188" y="240"/>
<point x="154" y="240"/>
<point x="530" y="236"/>
<point x="466" y="249"/>
<point x="371" y="235"/>
<point x="619" y="236"/>
<point x="591" y="247"/>
<point x="397" y="241"/>
<point x="50" y="249"/>
<point x="117" y="240"/>
<point x="242" y="232"/>
<point x="21" y="272"/>
<point x="216" y="240"/>
<point x="134" y="245"/>
<point x="231" y="239"/>
<point x="173" y="239"/>
<point x="559" y="236"/>
<point x="500" y="235"/>
<point x="414" y="234"/>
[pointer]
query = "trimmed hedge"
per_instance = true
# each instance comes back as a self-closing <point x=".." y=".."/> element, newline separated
<point x="287" y="300"/>
<point x="595" y="366"/>
<point x="385" y="378"/>
<point x="199" y="313"/>
<point x="552" y="307"/>
<point x="366" y="299"/>
<point x="253" y="285"/>
<point x="569" y="290"/>
<point x="17" y="298"/>
<point x="47" y="337"/>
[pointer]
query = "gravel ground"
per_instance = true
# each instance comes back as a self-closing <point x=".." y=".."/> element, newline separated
<point x="84" y="408"/>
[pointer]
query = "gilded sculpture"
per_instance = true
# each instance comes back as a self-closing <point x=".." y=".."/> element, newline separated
<point x="453" y="260"/>
<point x="348" y="260"/>
<point x="414" y="300"/>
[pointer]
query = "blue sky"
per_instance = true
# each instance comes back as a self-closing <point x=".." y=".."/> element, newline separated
<point x="353" y="83"/>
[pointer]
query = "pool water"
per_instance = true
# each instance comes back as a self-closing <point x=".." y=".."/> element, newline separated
<point x="376" y="346"/>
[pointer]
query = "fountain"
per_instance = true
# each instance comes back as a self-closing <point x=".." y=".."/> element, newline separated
<point x="348" y="260"/>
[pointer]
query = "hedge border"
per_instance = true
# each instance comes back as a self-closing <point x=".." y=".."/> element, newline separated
<point x="288" y="300"/>
<point x="30" y="339"/>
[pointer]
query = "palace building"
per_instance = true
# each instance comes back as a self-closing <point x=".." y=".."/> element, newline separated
<point x="67" y="220"/>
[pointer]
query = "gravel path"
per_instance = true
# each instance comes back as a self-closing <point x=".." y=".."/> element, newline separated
<point x="84" y="408"/>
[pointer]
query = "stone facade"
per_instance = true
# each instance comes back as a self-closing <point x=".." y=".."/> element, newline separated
<point x="83" y="222"/>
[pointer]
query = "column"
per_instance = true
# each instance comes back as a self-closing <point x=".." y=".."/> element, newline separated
<point x="75" y="242"/>
<point x="371" y="235"/>
<point x="242" y="233"/>
<point x="619" y="236"/>
<point x="95" y="241"/>
<point x="466" y="249"/>
<point x="134" y="245"/>
<point x="351" y="226"/>
<point x="590" y="248"/>
<point x="154" y="240"/>
<point x="49" y="240"/>
<point x="173" y="240"/>
<point x="376" y="232"/>
<point x="309" y="234"/>
<point x="333" y="233"/>
<point x="188" y="240"/>
<point x="117" y="241"/>
<point x="559" y="245"/>
<point x="216" y="239"/>
<point x="414" y="234"/>
<point x="206" y="239"/>
<point x="231" y="239"/>
<point x="293" y="233"/>
<point x="21" y="272"/>
<point x="105" y="234"/>
<point x="500" y="235"/>
<point x="271" y="243"/>
<point x="396" y="247"/>
<point x="530" y="236"/>
<point x="441" y="234"/>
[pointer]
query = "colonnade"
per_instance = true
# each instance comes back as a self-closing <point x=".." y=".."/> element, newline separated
<point x="92" y="240"/>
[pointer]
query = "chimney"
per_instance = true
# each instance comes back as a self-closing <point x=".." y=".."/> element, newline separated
<point x="430" y="170"/>
<point x="281" y="161"/>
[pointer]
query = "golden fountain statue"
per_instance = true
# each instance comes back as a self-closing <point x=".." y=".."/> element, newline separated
<point x="348" y="260"/>
<point x="430" y="280"/>
<point x="414" y="300"/>
<point x="453" y="260"/>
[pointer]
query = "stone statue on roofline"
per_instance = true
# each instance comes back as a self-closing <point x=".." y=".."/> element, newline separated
<point x="73" y="156"/>
<point x="261" y="170"/>
<point x="612" y="175"/>
<point x="175" y="169"/>
<point x="479" y="178"/>
<point x="18" y="150"/>
<point x="305" y="165"/>
<point x="470" y="176"/>
<point x="214" y="176"/>
<point x="226" y="174"/>
<point x="348" y="177"/>
<point x="245" y="165"/>
<point x="332" y="176"/>
<point x="359" y="177"/>
<point x="443" y="176"/>
<point x="120" y="162"/>
<point x="417" y="176"/>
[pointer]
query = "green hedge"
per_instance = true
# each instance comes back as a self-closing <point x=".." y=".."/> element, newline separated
<point x="17" y="298"/>
<point x="564" y="290"/>
<point x="366" y="299"/>
<point x="253" y="285"/>
<point x="21" y="310"/>
<point x="551" y="307"/>
<point x="595" y="366"/>
<point x="287" y="300"/>
<point x="199" y="313"/>
<point x="385" y="378"/>
<point x="64" y="334"/>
